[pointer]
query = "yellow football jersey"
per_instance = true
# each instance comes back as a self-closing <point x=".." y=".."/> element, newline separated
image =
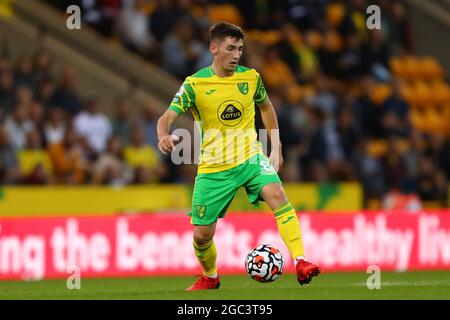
<point x="224" y="109"/>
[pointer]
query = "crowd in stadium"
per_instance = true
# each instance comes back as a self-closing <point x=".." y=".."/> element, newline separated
<point x="319" y="62"/>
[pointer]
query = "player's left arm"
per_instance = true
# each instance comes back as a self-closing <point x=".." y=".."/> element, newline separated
<point x="269" y="118"/>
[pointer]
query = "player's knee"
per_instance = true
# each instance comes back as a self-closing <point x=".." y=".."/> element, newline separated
<point x="278" y="196"/>
<point x="202" y="238"/>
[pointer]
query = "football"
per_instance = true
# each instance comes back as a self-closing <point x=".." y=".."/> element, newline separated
<point x="264" y="263"/>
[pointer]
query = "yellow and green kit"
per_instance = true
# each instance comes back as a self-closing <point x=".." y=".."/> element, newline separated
<point x="231" y="155"/>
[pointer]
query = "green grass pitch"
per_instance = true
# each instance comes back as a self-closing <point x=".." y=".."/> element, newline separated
<point x="408" y="285"/>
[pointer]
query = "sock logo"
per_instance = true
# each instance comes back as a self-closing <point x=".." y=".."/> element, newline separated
<point x="287" y="220"/>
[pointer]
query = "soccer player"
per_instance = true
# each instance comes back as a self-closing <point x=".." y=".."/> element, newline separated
<point x="222" y="100"/>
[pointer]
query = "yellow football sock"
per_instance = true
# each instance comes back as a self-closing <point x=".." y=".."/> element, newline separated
<point x="207" y="256"/>
<point x="289" y="229"/>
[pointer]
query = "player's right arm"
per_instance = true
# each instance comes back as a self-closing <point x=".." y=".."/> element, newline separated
<point x="184" y="100"/>
<point x="165" y="141"/>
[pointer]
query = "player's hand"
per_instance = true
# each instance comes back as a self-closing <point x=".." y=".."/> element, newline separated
<point x="276" y="159"/>
<point x="166" y="143"/>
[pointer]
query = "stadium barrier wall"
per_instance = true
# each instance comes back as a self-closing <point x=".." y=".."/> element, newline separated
<point x="157" y="244"/>
<point x="77" y="201"/>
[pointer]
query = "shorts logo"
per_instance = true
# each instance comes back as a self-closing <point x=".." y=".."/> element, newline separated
<point x="230" y="113"/>
<point x="201" y="210"/>
<point x="243" y="87"/>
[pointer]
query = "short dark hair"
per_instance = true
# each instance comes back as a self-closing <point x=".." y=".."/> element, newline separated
<point x="222" y="30"/>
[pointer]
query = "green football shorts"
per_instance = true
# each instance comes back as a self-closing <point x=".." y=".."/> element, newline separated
<point x="213" y="192"/>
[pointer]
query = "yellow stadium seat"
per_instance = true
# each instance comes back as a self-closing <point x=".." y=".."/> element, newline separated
<point x="334" y="13"/>
<point x="380" y="93"/>
<point x="411" y="67"/>
<point x="395" y="64"/>
<point x="445" y="114"/>
<point x="267" y="38"/>
<point x="414" y="68"/>
<point x="333" y="41"/>
<point x="313" y="39"/>
<point x="402" y="145"/>
<point x="430" y="69"/>
<point x="296" y="93"/>
<point x="416" y="117"/>
<point x="435" y="123"/>
<point x="440" y="92"/>
<point x="421" y="93"/>
<point x="270" y="37"/>
<point x="407" y="93"/>
<point x="225" y="12"/>
<point x="377" y="148"/>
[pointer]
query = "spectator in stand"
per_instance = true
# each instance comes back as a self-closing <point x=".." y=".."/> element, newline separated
<point x="164" y="18"/>
<point x="65" y="95"/>
<point x="55" y="126"/>
<point x="23" y="71"/>
<point x="441" y="184"/>
<point x="426" y="183"/>
<point x="439" y="151"/>
<point x="324" y="97"/>
<point x="395" y="114"/>
<point x="18" y="125"/>
<point x="93" y="125"/>
<point x="368" y="114"/>
<point x="68" y="159"/>
<point x="9" y="170"/>
<point x="45" y="93"/>
<point x="205" y="58"/>
<point x="369" y="170"/>
<point x="133" y="28"/>
<point x="24" y="96"/>
<point x="290" y="122"/>
<point x="99" y="14"/>
<point x="34" y="163"/>
<point x="347" y="131"/>
<point x="289" y="36"/>
<point x="142" y="158"/>
<point x="411" y="158"/>
<point x="147" y="123"/>
<point x="4" y="50"/>
<point x="42" y="70"/>
<point x="181" y="50"/>
<point x="110" y="169"/>
<point x="329" y="53"/>
<point x="399" y="26"/>
<point x="6" y="90"/>
<point x="275" y="72"/>
<point x="357" y="12"/>
<point x="350" y="61"/>
<point x="394" y="166"/>
<point x="375" y="56"/>
<point x="121" y="122"/>
<point x="325" y="148"/>
<point x="37" y="116"/>
<point x="309" y="61"/>
<point x="396" y="103"/>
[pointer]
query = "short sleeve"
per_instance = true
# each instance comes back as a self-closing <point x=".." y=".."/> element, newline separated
<point x="184" y="99"/>
<point x="260" y="94"/>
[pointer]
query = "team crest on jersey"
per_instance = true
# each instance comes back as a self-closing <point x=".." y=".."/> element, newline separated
<point x="243" y="87"/>
<point x="201" y="210"/>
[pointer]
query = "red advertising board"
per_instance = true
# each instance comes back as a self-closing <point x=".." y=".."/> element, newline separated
<point x="161" y="244"/>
